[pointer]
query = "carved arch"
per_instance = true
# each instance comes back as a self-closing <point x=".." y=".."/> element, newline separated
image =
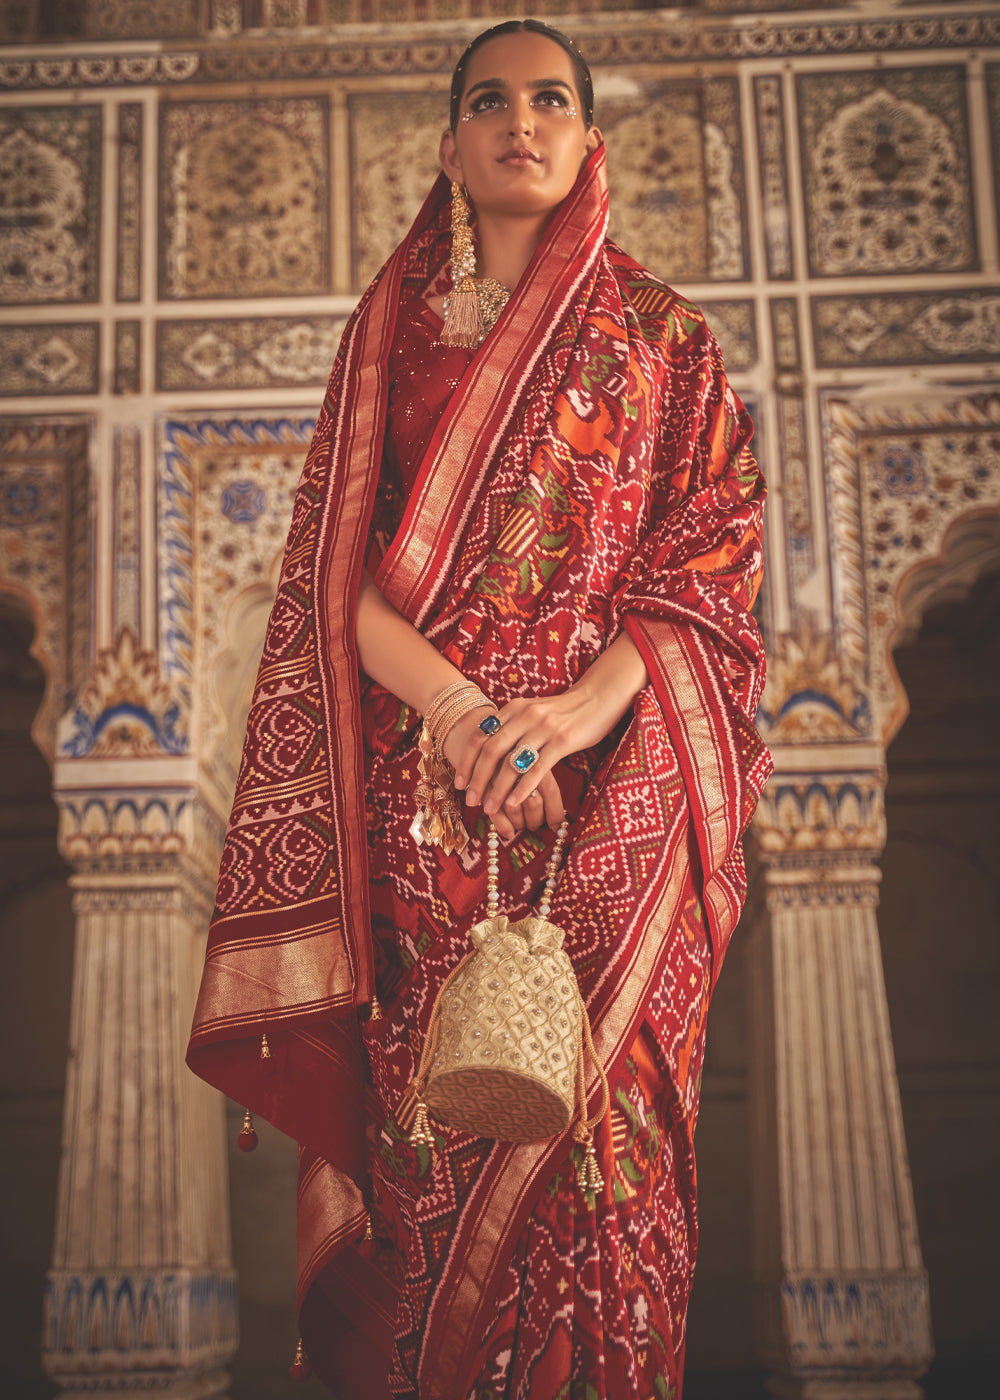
<point x="971" y="547"/>
<point x="901" y="473"/>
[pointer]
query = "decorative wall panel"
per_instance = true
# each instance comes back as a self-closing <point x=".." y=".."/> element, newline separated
<point x="253" y="353"/>
<point x="283" y="14"/>
<point x="245" y="198"/>
<point x="734" y="325"/>
<point x="886" y="170"/>
<point x="128" y="357"/>
<point x="126" y="602"/>
<point x="128" y="270"/>
<point x="796" y="499"/>
<point x="772" y="157"/>
<point x="143" y="19"/>
<point x="224" y="500"/>
<point x="394" y="159"/>
<point x="19" y="21"/>
<point x="676" y="177"/>
<point x="50" y="194"/>
<point x="993" y="96"/>
<point x="31" y="20"/>
<point x="657" y="38"/>
<point x="909" y="328"/>
<point x="785" y="333"/>
<point x="50" y="359"/>
<point x="45" y="555"/>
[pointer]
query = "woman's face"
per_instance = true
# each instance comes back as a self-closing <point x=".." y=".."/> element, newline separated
<point x="520" y="139"/>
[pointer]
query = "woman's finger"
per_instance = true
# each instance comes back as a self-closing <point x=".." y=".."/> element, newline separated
<point x="488" y="752"/>
<point x="552" y="802"/>
<point x="531" y="731"/>
<point x="532" y="810"/>
<point x="508" y="825"/>
<point x="515" y="780"/>
<point x="464" y="742"/>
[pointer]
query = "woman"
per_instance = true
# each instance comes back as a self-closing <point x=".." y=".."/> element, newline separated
<point x="560" y="525"/>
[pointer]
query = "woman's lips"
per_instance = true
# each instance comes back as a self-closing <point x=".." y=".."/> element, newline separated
<point x="520" y="156"/>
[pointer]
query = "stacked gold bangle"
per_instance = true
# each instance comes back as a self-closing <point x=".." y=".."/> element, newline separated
<point x="452" y="704"/>
<point x="439" y="815"/>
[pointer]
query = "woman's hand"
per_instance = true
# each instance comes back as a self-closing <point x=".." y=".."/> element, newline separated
<point x="466" y="746"/>
<point x="397" y="656"/>
<point x="554" y="727"/>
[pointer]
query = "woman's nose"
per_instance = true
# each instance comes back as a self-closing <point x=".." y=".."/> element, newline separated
<point x="522" y="117"/>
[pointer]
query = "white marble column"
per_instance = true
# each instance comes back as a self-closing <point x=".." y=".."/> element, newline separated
<point x="842" y="1293"/>
<point x="141" y="1296"/>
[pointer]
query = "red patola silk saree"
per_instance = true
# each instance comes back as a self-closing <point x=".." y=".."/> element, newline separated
<point x="585" y="471"/>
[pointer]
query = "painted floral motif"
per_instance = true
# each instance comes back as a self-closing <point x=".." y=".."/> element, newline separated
<point x="49" y="196"/>
<point x="810" y="697"/>
<point x="907" y="328"/>
<point x="128" y="270"/>
<point x="246" y="353"/>
<point x="916" y="485"/>
<point x="54" y="359"/>
<point x="886" y="173"/>
<point x="142" y="19"/>
<point x="247" y="202"/>
<point x="676" y="178"/>
<point x="394" y="137"/>
<point x="773" y="174"/>
<point x="242" y="502"/>
<point x="125" y="709"/>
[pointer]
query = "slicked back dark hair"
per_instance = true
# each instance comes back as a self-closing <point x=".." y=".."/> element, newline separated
<point x="584" y="82"/>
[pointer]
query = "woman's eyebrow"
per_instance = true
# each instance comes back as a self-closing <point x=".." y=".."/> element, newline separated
<point x="536" y="84"/>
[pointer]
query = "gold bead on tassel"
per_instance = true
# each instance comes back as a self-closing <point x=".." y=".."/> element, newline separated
<point x="595" y="1181"/>
<point x="268" y="1064"/>
<point x="588" y="1172"/>
<point x="421" y="1136"/>
<point x="300" y="1370"/>
<point x="247" y="1140"/>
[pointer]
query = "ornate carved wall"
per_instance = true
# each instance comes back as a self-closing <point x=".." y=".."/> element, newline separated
<point x="192" y="197"/>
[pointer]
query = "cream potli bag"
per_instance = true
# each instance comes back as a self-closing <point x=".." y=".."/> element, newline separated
<point x="504" y="1052"/>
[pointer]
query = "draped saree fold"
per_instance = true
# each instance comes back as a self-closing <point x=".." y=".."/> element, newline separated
<point x="588" y="475"/>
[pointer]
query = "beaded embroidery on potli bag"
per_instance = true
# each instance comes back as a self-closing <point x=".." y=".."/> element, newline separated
<point x="505" y="1047"/>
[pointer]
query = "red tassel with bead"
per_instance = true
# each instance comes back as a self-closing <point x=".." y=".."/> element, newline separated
<point x="300" y="1370"/>
<point x="368" y="1245"/>
<point x="247" y="1139"/>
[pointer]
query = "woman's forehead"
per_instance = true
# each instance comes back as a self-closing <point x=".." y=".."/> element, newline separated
<point x="513" y="56"/>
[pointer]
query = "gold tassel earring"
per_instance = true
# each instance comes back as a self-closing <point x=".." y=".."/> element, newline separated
<point x="472" y="309"/>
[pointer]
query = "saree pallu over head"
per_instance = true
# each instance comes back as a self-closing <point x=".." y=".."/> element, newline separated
<point x="590" y="475"/>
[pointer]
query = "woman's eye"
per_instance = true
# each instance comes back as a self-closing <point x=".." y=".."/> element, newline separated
<point x="486" y="102"/>
<point x="550" y="99"/>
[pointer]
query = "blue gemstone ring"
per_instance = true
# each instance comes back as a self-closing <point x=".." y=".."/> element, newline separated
<point x="523" y="758"/>
<point x="490" y="724"/>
